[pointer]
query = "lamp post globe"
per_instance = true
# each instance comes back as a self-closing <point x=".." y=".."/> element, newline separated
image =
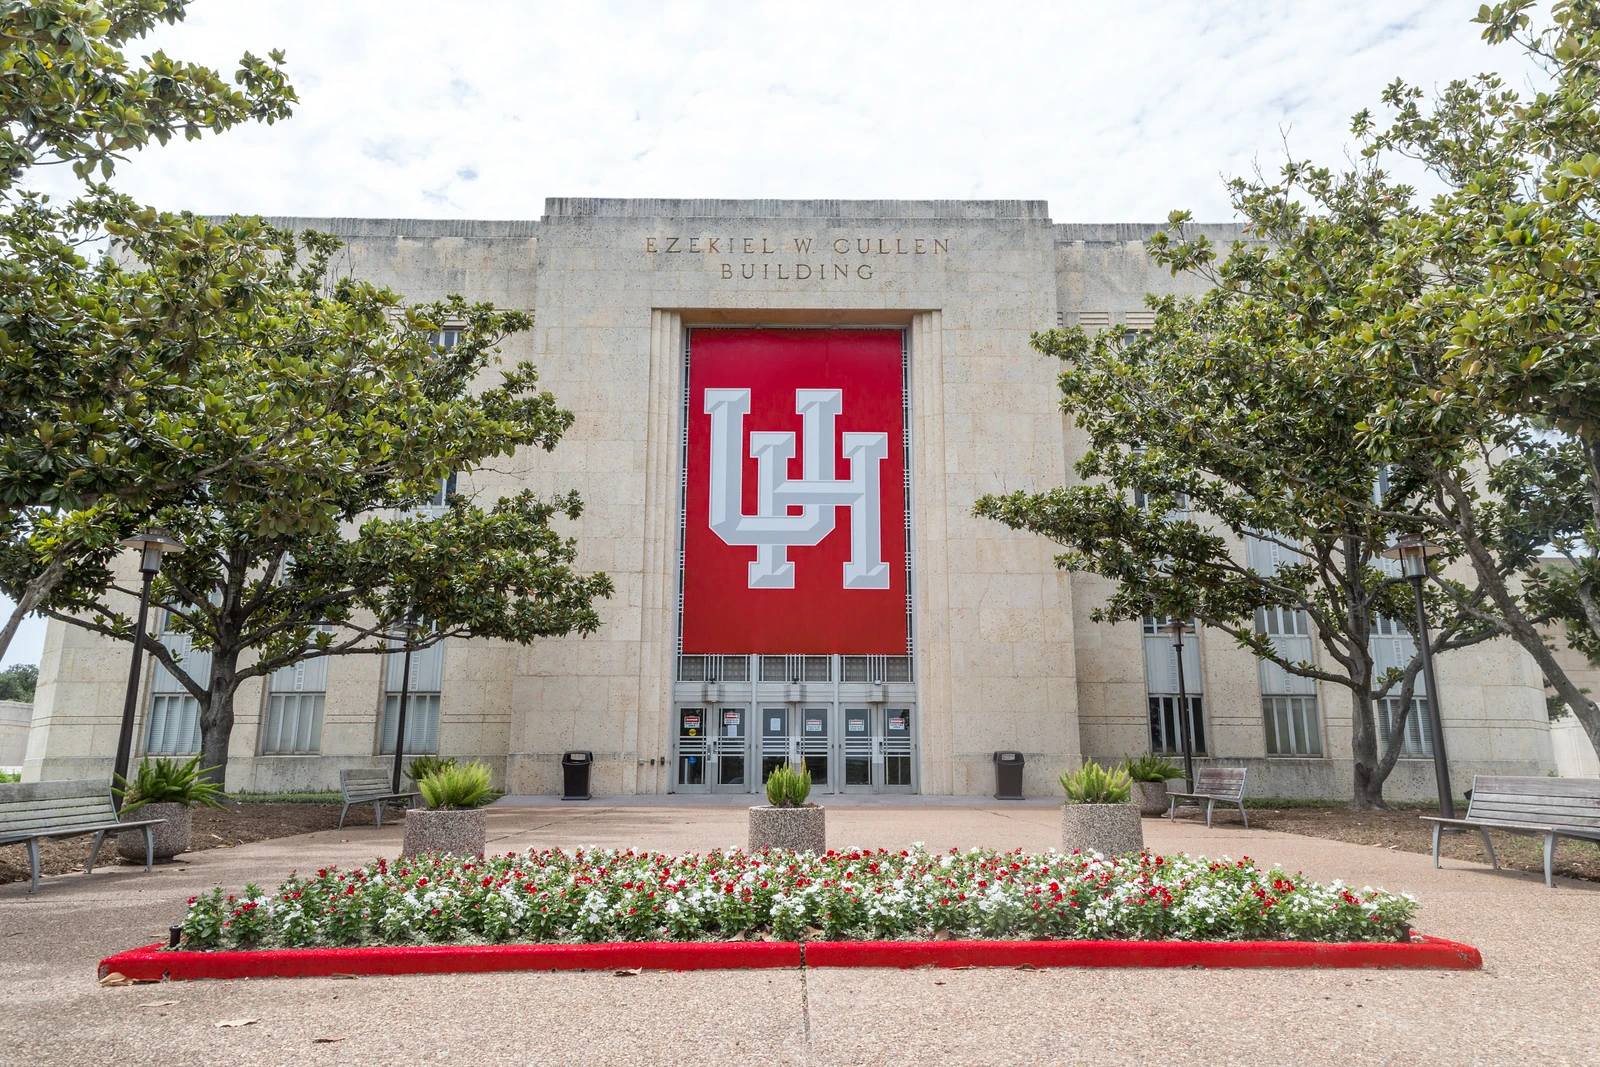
<point x="1413" y="552"/>
<point x="151" y="546"/>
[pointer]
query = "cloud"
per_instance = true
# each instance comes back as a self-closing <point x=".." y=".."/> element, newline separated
<point x="1110" y="112"/>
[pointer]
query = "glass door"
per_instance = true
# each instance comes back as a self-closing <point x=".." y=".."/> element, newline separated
<point x="814" y="747"/>
<point x="693" y="750"/>
<point x="777" y="741"/>
<point x="898" y="757"/>
<point x="857" y="745"/>
<point x="729" y="748"/>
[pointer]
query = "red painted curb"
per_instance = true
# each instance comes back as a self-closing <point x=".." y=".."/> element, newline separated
<point x="152" y="963"/>
<point x="1420" y="952"/>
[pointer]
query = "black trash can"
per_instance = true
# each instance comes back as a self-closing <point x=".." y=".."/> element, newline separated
<point x="575" y="775"/>
<point x="1008" y="775"/>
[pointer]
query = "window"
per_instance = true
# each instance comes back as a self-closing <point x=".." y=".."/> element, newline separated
<point x="422" y="700"/>
<point x="1288" y="700"/>
<point x="1161" y="686"/>
<point x="295" y="700"/>
<point x="174" y="719"/>
<point x="713" y="669"/>
<point x="796" y="669"/>
<point x="875" y="668"/>
<point x="1393" y="647"/>
<point x="1417" y="739"/>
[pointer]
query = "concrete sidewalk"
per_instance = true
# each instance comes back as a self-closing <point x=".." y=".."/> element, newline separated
<point x="1532" y="1003"/>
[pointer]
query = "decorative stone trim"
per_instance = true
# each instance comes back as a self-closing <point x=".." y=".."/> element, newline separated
<point x="171" y="837"/>
<point x="463" y="831"/>
<point x="1109" y="829"/>
<point x="802" y="829"/>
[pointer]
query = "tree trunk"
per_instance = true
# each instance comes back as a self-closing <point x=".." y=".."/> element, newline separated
<point x="36" y="592"/>
<point x="216" y="714"/>
<point x="1369" y="774"/>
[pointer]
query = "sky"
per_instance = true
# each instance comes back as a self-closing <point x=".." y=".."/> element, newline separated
<point x="474" y="109"/>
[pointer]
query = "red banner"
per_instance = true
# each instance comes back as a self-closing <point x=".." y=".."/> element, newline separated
<point x="795" y="539"/>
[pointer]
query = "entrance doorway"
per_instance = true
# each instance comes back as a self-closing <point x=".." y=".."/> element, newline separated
<point x="847" y="749"/>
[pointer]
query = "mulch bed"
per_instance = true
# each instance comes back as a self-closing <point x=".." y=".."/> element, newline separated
<point x="238" y="824"/>
<point x="1403" y="830"/>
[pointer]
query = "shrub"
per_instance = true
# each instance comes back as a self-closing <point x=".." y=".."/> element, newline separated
<point x="1151" y="768"/>
<point x="10" y="776"/>
<point x="457" y="786"/>
<point x="1093" y="784"/>
<point x="166" y="781"/>
<point x="422" y="766"/>
<point x="788" y="787"/>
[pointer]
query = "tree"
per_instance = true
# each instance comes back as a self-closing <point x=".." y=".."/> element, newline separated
<point x="380" y="415"/>
<point x="17" y="682"/>
<point x="97" y="406"/>
<point x="1200" y="427"/>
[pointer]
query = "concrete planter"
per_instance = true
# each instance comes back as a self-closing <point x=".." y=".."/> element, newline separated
<point x="802" y="829"/>
<point x="1109" y="829"/>
<point x="1151" y="797"/>
<point x="171" y="837"/>
<point x="463" y="831"/>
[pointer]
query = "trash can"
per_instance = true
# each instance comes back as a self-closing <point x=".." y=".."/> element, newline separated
<point x="575" y="775"/>
<point x="1008" y="775"/>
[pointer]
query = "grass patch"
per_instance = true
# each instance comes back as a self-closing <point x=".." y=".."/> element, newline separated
<point x="286" y="798"/>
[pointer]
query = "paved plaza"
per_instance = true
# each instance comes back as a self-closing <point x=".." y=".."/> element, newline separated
<point x="1533" y="1002"/>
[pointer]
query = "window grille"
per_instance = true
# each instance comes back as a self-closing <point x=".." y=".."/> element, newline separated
<point x="875" y="668"/>
<point x="422" y="702"/>
<point x="295" y="704"/>
<point x="713" y="669"/>
<point x="1293" y="727"/>
<point x="1164" y="736"/>
<point x="174" y="719"/>
<point x="1417" y="739"/>
<point x="1094" y="320"/>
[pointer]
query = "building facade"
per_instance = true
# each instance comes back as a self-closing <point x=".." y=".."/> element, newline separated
<point x="785" y="410"/>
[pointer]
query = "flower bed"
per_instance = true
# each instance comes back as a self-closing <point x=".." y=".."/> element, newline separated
<point x="604" y="895"/>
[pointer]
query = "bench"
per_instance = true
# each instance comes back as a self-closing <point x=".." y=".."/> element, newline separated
<point x="364" y="786"/>
<point x="1540" y="807"/>
<point x="1212" y="784"/>
<point x="41" y="811"/>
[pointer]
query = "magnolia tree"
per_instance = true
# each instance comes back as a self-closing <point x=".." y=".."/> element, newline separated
<point x="382" y="416"/>
<point x="109" y="379"/>
<point x="1203" y="441"/>
<point x="1474" y="341"/>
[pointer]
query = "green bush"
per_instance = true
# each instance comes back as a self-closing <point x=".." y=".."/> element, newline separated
<point x="1151" y="768"/>
<point x="787" y="787"/>
<point x="1093" y="784"/>
<point x="166" y="781"/>
<point x="10" y="776"/>
<point x="457" y="786"/>
<point x="18" y="681"/>
<point x="422" y="766"/>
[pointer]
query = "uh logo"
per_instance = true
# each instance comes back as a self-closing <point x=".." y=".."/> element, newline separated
<point x="818" y="492"/>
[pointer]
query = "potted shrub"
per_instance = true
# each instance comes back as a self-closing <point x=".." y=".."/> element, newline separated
<point x="454" y="820"/>
<point x="165" y="789"/>
<point x="787" y="820"/>
<point x="1097" y="816"/>
<point x="1150" y="775"/>
<point x="422" y="766"/>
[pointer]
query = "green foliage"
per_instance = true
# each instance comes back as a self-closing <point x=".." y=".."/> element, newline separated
<point x="10" y="776"/>
<point x="18" y="681"/>
<point x="788" y="787"/>
<point x="167" y="781"/>
<point x="457" y="786"/>
<point x="1151" y="768"/>
<point x="1094" y="784"/>
<point x="422" y="766"/>
<point x="106" y="371"/>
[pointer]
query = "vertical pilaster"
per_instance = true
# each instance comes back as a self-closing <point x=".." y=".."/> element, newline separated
<point x="931" y="559"/>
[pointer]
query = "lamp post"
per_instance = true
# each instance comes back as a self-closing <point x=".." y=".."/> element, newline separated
<point x="152" y="545"/>
<point x="1413" y="552"/>
<point x="405" y="696"/>
<point x="1178" y="628"/>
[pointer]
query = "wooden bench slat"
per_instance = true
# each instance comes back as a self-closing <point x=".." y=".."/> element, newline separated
<point x="1532" y="818"/>
<point x="1577" y="805"/>
<point x="65" y="807"/>
<point x="1567" y="787"/>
